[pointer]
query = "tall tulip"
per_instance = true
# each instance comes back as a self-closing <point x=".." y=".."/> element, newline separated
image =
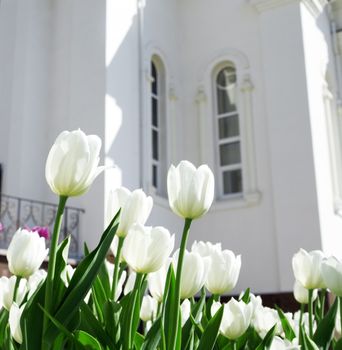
<point x="301" y="294"/>
<point x="72" y="163"/>
<point x="26" y="253"/>
<point x="190" y="190"/>
<point x="146" y="249"/>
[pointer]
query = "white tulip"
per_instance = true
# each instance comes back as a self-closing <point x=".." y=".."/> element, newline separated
<point x="190" y="190"/>
<point x="185" y="311"/>
<point x="14" y="322"/>
<point x="146" y="249"/>
<point x="26" y="252"/>
<point x="194" y="273"/>
<point x="332" y="275"/>
<point x="148" y="310"/>
<point x="205" y="248"/>
<point x="283" y="344"/>
<point x="264" y="319"/>
<point x="301" y="294"/>
<point x="307" y="268"/>
<point x="35" y="281"/>
<point x="72" y="163"/>
<point x="7" y="286"/>
<point x="223" y="273"/>
<point x="135" y="209"/>
<point x="236" y="318"/>
<point x="156" y="281"/>
<point x="255" y="301"/>
<point x="130" y="283"/>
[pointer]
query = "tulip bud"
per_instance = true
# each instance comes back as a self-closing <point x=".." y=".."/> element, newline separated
<point x="194" y="273"/>
<point x="307" y="268"/>
<point x="223" y="271"/>
<point x="236" y="318"/>
<point x="185" y="311"/>
<point x="156" y="282"/>
<point x="35" y="281"/>
<point x="26" y="253"/>
<point x="190" y="190"/>
<point x="14" y="322"/>
<point x="332" y="275"/>
<point x="72" y="163"/>
<point x="7" y="286"/>
<point x="301" y="294"/>
<point x="283" y="344"/>
<point x="146" y="249"/>
<point x="148" y="311"/>
<point x="135" y="208"/>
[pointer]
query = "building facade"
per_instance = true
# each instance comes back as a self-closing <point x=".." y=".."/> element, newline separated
<point x="252" y="88"/>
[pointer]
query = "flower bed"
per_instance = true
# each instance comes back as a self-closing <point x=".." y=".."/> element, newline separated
<point x="145" y="300"/>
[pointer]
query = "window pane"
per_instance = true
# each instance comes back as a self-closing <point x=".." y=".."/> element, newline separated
<point x="154" y="112"/>
<point x="154" y="144"/>
<point x="232" y="181"/>
<point x="154" y="74"/>
<point x="230" y="153"/>
<point x="154" y="176"/>
<point x="228" y="126"/>
<point x="226" y="90"/>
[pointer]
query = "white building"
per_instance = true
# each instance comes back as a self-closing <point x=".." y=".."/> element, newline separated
<point x="253" y="88"/>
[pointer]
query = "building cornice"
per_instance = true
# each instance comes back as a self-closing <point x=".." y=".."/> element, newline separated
<point x="314" y="6"/>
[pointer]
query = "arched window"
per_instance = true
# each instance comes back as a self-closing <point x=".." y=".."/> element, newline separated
<point x="158" y="126"/>
<point x="227" y="131"/>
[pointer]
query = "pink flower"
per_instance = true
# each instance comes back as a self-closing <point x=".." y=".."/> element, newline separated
<point x="43" y="231"/>
<point x="1" y="227"/>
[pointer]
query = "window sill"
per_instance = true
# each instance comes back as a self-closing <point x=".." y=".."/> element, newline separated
<point x="243" y="201"/>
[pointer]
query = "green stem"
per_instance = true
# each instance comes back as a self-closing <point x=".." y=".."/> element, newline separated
<point x="16" y="287"/>
<point x="116" y="267"/>
<point x="174" y="325"/>
<point x="234" y="345"/>
<point x="52" y="259"/>
<point x="310" y="313"/>
<point x="216" y="297"/>
<point x="136" y="303"/>
<point x="340" y="306"/>
<point x="302" y="307"/>
<point x="322" y="297"/>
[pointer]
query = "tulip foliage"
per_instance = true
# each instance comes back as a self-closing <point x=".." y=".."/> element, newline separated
<point x="151" y="297"/>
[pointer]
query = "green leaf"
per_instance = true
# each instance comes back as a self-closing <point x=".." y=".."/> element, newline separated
<point x="82" y="280"/>
<point x="87" y="340"/>
<point x="246" y="296"/>
<point x="112" y="311"/>
<point x="153" y="336"/>
<point x="210" y="334"/>
<point x="138" y="341"/>
<point x="91" y="325"/>
<point x="32" y="320"/>
<point x="325" y="328"/>
<point x="338" y="345"/>
<point x="187" y="328"/>
<point x="169" y="307"/>
<point x="308" y="343"/>
<point x="267" y="341"/>
<point x="288" y="330"/>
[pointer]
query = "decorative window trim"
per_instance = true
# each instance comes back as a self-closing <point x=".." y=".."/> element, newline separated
<point x="334" y="139"/>
<point x="205" y="102"/>
<point x="169" y="97"/>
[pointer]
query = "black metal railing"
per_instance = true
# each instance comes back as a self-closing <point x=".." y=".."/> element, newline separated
<point x="18" y="212"/>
